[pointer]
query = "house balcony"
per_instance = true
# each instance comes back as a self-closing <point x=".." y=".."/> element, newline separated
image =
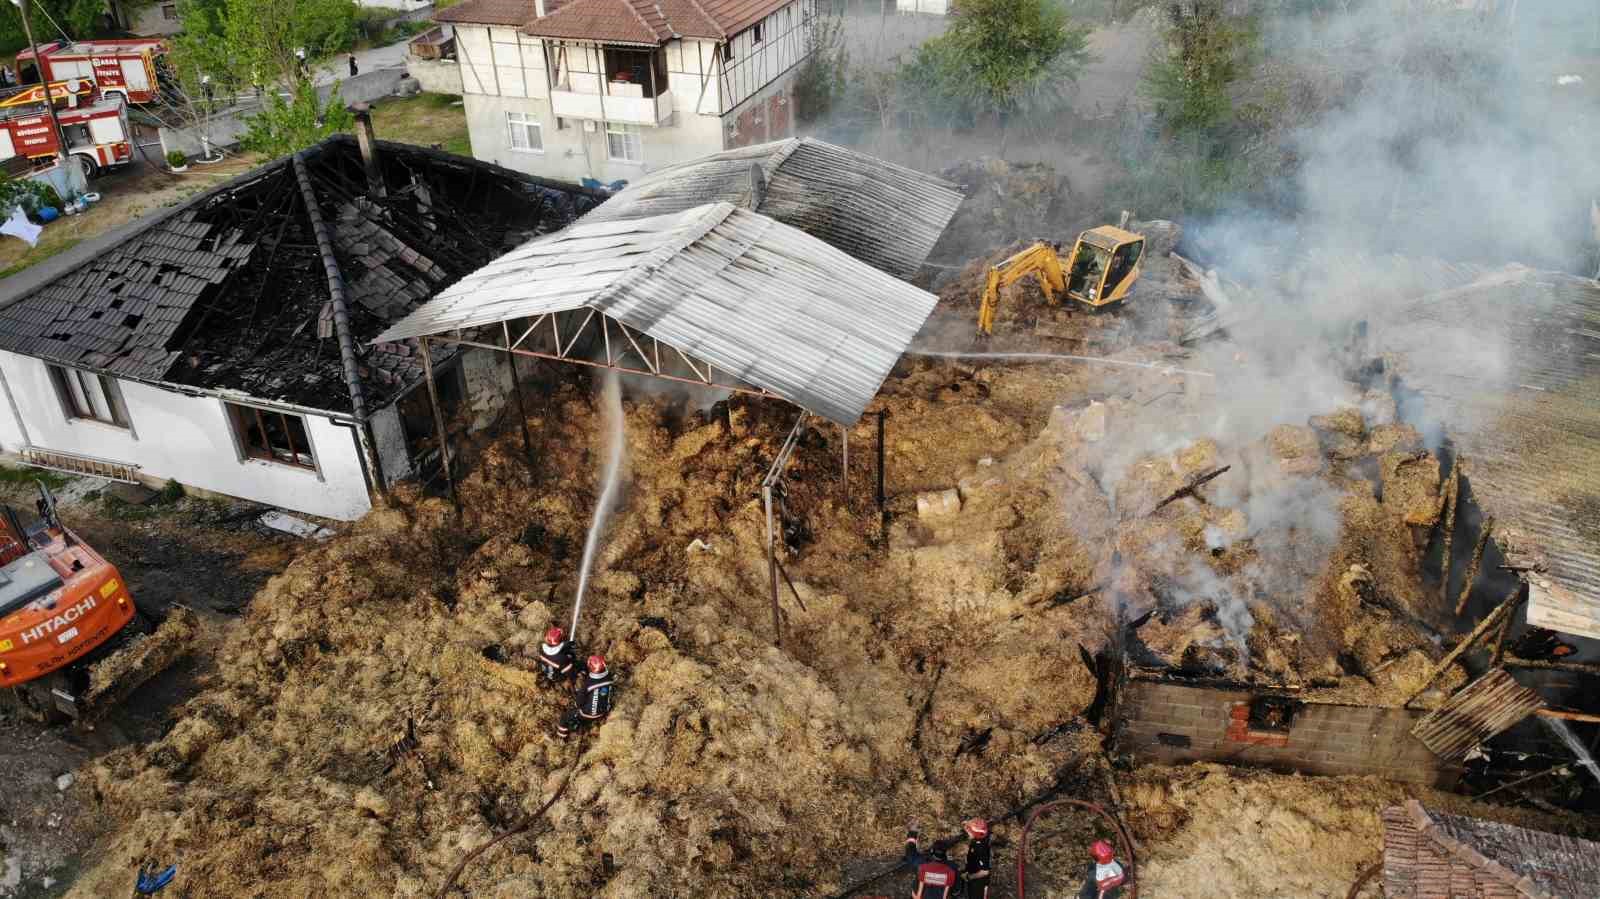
<point x="622" y="102"/>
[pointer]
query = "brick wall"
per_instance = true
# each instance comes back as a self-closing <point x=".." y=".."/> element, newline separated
<point x="1175" y="723"/>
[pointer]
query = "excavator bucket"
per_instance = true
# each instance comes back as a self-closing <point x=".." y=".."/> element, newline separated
<point x="145" y="656"/>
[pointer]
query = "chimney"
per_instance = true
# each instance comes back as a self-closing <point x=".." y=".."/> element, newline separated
<point x="369" y="149"/>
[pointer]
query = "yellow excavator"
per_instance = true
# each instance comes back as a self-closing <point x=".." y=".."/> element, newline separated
<point x="1104" y="264"/>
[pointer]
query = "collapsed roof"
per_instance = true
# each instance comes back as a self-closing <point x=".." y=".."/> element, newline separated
<point x="886" y="215"/>
<point x="228" y="292"/>
<point x="1510" y="365"/>
<point x="775" y="308"/>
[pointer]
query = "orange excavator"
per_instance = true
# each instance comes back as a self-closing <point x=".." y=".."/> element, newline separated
<point x="72" y="639"/>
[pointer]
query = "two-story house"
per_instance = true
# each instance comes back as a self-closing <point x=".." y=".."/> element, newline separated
<point x="612" y="89"/>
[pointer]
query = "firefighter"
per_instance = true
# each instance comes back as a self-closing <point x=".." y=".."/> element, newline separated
<point x="592" y="699"/>
<point x="556" y="658"/>
<point x="1106" y="877"/>
<point x="978" y="858"/>
<point x="936" y="879"/>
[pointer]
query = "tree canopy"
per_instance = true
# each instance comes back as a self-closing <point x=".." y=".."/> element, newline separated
<point x="1002" y="55"/>
<point x="80" y="18"/>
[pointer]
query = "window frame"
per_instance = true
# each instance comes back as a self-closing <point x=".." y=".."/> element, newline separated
<point x="624" y="131"/>
<point x="240" y="416"/>
<point x="755" y="34"/>
<point x="169" y="12"/>
<point x="75" y="390"/>
<point x="525" y="121"/>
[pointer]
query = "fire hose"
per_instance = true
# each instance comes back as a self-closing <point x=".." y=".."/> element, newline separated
<point x="527" y="822"/>
<point x="1122" y="837"/>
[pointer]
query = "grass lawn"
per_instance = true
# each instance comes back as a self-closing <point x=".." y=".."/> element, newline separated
<point x="128" y="194"/>
<point x="426" y="119"/>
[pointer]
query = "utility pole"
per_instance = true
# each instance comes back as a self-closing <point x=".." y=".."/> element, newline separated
<point x="49" y="104"/>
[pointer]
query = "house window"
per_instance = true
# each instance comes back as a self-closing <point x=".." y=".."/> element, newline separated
<point x="646" y="68"/>
<point x="755" y="34"/>
<point x="526" y="134"/>
<point x="271" y="436"/>
<point x="624" y="143"/>
<point x="89" y="396"/>
<point x="169" y="12"/>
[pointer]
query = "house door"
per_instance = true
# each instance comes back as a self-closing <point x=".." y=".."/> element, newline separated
<point x="135" y="75"/>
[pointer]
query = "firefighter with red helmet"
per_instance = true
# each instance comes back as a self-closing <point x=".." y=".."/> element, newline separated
<point x="978" y="858"/>
<point x="1106" y="877"/>
<point x="592" y="700"/>
<point x="936" y="878"/>
<point x="557" y="659"/>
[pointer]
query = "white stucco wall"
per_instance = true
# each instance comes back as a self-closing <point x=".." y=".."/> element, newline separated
<point x="151" y="21"/>
<point x="752" y="65"/>
<point x="187" y="439"/>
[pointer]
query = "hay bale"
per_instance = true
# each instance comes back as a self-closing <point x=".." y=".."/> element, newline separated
<point x="1411" y="486"/>
<point x="1295" y="449"/>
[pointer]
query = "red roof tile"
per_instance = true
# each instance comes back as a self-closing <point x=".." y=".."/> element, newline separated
<point x="650" y="21"/>
<point x="489" y="12"/>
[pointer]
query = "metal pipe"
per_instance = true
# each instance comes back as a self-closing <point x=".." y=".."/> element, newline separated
<point x="883" y="513"/>
<point x="438" y="423"/>
<point x="522" y="410"/>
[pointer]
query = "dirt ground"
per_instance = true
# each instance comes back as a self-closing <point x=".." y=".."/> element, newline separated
<point x="373" y="716"/>
<point x="197" y="553"/>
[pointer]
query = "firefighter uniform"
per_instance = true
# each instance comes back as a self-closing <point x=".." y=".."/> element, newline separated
<point x="591" y="701"/>
<point x="556" y="662"/>
<point x="978" y="866"/>
<point x="935" y="878"/>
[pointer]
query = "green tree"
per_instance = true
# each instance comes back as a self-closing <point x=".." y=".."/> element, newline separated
<point x="1002" y="56"/>
<point x="80" y="19"/>
<point x="1190" y="73"/>
<point x="285" y="125"/>
<point x="821" y="81"/>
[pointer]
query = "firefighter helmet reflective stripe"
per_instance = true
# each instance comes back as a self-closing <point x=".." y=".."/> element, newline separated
<point x="976" y="828"/>
<point x="554" y="636"/>
<point x="1102" y="852"/>
<point x="597" y="664"/>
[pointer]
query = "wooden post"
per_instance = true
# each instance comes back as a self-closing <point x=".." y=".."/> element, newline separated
<point x="1472" y="567"/>
<point x="772" y="566"/>
<point x="844" y="465"/>
<point x="883" y="513"/>
<point x="522" y="410"/>
<point x="438" y="424"/>
<point x="1506" y="606"/>
<point x="1451" y="498"/>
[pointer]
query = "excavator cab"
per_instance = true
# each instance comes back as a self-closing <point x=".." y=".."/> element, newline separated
<point x="1105" y="263"/>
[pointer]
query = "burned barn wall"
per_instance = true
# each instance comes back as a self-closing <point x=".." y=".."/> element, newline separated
<point x="1173" y="723"/>
<point x="184" y="438"/>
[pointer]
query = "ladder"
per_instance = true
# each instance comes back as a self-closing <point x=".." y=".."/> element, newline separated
<point x="73" y="463"/>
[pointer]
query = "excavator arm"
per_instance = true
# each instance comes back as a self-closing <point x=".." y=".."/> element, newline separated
<point x="1039" y="259"/>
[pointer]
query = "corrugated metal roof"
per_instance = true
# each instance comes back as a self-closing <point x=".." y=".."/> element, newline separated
<point x="1478" y="711"/>
<point x="767" y="303"/>
<point x="1509" y="366"/>
<point x="886" y="215"/>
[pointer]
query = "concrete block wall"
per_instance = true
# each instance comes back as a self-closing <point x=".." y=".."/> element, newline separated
<point x="1174" y="723"/>
<point x="436" y="76"/>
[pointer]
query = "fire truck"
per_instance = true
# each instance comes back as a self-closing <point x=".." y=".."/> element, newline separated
<point x="129" y="69"/>
<point x="95" y="126"/>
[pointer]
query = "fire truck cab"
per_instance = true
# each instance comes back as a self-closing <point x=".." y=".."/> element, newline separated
<point x="122" y="68"/>
<point x="95" y="126"/>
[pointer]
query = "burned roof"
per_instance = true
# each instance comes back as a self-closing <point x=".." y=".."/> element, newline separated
<point x="1519" y="861"/>
<point x="766" y="303"/>
<point x="227" y="292"/>
<point x="885" y="215"/>
<point x="1509" y="367"/>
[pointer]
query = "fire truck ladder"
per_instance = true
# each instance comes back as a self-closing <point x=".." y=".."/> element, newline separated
<point x="73" y="463"/>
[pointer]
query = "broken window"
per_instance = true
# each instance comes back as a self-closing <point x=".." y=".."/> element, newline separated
<point x="271" y="436"/>
<point x="1272" y="714"/>
<point x="88" y="396"/>
<point x="624" y="143"/>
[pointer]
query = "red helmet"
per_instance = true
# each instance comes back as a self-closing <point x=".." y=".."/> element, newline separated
<point x="597" y="664"/>
<point x="976" y="828"/>
<point x="1102" y="852"/>
<point x="554" y="636"/>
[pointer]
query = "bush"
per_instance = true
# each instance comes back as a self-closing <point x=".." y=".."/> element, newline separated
<point x="176" y="159"/>
<point x="27" y="193"/>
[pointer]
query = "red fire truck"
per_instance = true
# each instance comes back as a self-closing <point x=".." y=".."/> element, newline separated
<point x="95" y="126"/>
<point x="125" y="68"/>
